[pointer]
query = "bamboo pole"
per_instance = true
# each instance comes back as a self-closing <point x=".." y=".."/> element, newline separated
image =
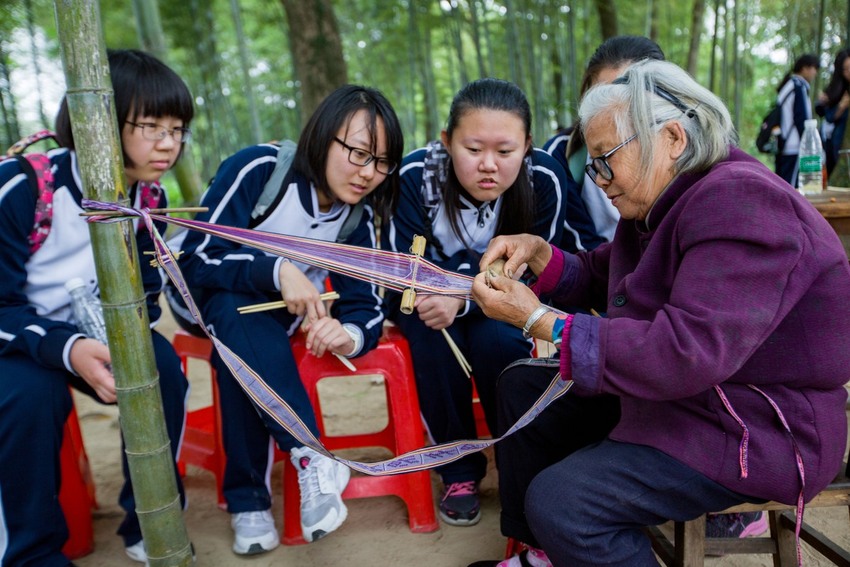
<point x="91" y="107"/>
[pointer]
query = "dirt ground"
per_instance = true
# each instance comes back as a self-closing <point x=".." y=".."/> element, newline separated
<point x="376" y="531"/>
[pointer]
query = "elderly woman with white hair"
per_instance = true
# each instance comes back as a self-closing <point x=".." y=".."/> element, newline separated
<point x="727" y="339"/>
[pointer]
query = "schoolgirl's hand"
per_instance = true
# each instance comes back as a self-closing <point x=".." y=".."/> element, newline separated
<point x="438" y="312"/>
<point x="328" y="335"/>
<point x="90" y="358"/>
<point x="299" y="293"/>
<point x="516" y="250"/>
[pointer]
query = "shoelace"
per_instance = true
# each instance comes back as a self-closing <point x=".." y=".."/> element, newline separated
<point x="308" y="481"/>
<point x="460" y="489"/>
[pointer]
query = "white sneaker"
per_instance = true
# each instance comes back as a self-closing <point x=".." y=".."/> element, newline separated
<point x="255" y="532"/>
<point x="136" y="552"/>
<point x="321" y="481"/>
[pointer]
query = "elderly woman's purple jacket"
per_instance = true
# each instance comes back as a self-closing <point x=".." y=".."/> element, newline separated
<point x="734" y="286"/>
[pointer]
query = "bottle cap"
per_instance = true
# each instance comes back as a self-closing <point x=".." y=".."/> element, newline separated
<point x="813" y="122"/>
<point x="74" y="283"/>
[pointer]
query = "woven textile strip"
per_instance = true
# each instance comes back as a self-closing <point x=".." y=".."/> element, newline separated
<point x="392" y="265"/>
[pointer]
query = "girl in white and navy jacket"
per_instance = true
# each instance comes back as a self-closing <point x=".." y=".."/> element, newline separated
<point x="482" y="179"/>
<point x="41" y="350"/>
<point x="345" y="167"/>
<point x="793" y="96"/>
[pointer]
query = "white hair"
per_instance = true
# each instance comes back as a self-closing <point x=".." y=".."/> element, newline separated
<point x="651" y="93"/>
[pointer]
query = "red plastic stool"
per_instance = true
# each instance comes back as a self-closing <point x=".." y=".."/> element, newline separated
<point x="391" y="359"/>
<point x="202" y="445"/>
<point x="478" y="411"/>
<point x="76" y="493"/>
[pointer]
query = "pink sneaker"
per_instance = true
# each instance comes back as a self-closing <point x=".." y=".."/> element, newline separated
<point x="530" y="557"/>
<point x="745" y="524"/>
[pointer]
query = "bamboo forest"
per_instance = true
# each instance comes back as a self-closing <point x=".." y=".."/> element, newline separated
<point x="254" y="67"/>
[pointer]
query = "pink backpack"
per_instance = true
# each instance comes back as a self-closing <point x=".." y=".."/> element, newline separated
<point x="37" y="168"/>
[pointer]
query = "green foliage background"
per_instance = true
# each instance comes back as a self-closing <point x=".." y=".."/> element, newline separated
<point x="527" y="41"/>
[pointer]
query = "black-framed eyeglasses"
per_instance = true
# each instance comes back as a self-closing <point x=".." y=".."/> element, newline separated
<point x="599" y="165"/>
<point x="361" y="157"/>
<point x="155" y="132"/>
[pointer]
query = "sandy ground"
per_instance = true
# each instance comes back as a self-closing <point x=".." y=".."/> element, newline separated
<point x="376" y="531"/>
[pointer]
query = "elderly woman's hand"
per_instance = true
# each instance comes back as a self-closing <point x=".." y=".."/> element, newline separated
<point x="517" y="249"/>
<point x="504" y="299"/>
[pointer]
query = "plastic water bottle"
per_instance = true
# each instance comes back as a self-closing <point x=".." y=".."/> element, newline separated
<point x="810" y="178"/>
<point x="87" y="310"/>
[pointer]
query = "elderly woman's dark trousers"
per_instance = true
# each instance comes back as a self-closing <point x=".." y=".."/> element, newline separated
<point x="580" y="497"/>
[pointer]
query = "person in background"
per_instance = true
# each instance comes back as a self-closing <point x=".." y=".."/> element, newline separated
<point x="481" y="179"/>
<point x="793" y="97"/>
<point x="42" y="352"/>
<point x="832" y="106"/>
<point x="345" y="169"/>
<point x="591" y="219"/>
<point x="731" y="387"/>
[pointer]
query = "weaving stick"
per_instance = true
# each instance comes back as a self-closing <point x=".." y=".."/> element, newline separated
<point x="257" y="307"/>
<point x="408" y="296"/>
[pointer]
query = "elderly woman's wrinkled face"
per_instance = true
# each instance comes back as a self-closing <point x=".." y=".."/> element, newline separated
<point x="632" y="194"/>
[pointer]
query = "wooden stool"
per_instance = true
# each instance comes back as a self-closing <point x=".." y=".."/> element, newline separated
<point x="689" y="545"/>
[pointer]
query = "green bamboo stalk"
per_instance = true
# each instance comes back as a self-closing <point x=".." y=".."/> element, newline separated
<point x="95" y="128"/>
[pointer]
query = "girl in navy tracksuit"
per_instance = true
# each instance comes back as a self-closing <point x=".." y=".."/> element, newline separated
<point x="481" y="179"/>
<point x="348" y="153"/>
<point x="41" y="350"/>
<point x="793" y="96"/>
<point x="591" y="218"/>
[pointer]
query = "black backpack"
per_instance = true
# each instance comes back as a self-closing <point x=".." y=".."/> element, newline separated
<point x="768" y="136"/>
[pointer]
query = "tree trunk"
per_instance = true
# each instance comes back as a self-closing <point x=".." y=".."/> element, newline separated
<point x="476" y="38"/>
<point x="414" y="56"/>
<point x="432" y="115"/>
<point x="152" y="39"/>
<point x="92" y="111"/>
<point x="45" y="122"/>
<point x="513" y="45"/>
<point x="316" y="51"/>
<point x="724" y="65"/>
<point x="454" y="19"/>
<point x="220" y="138"/>
<point x="696" y="35"/>
<point x="712" y="74"/>
<point x="245" y="63"/>
<point x="10" y="112"/>
<point x="607" y="18"/>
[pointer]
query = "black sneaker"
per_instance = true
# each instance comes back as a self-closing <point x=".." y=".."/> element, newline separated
<point x="460" y="505"/>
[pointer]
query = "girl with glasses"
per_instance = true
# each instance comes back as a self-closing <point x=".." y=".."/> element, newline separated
<point x="481" y="179"/>
<point x="41" y="350"/>
<point x="343" y="176"/>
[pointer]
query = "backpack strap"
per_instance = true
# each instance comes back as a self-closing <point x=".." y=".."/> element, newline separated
<point x="37" y="168"/>
<point x="39" y="173"/>
<point x="18" y="147"/>
<point x="150" y="194"/>
<point x="272" y="189"/>
<point x="434" y="177"/>
<point x="350" y="223"/>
